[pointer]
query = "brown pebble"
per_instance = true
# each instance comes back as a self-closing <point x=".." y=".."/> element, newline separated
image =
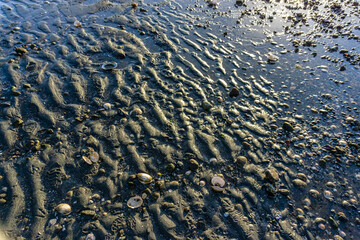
<point x="241" y="161"/>
<point x="271" y="175"/>
<point x="298" y="183"/>
<point x="234" y="92"/>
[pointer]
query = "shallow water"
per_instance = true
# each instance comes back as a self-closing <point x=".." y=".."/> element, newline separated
<point x="167" y="110"/>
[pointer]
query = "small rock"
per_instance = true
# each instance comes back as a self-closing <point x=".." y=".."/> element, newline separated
<point x="241" y="161"/>
<point x="271" y="175"/>
<point x="298" y="183"/>
<point x="193" y="165"/>
<point x="63" y="208"/>
<point x="234" y="92"/>
<point x="18" y="122"/>
<point x="206" y="105"/>
<point x="20" y="51"/>
<point x="288" y="126"/>
<point x="246" y="145"/>
<point x="342" y="217"/>
<point x="314" y="193"/>
<point x="170" y="167"/>
<point x="88" y="212"/>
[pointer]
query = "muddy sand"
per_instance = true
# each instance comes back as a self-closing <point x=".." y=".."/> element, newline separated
<point x="179" y="120"/>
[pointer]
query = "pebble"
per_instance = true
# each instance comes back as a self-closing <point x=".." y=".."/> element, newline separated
<point x="241" y="161"/>
<point x="193" y="165"/>
<point x="271" y="175"/>
<point x="234" y="92"/>
<point x="206" y="105"/>
<point x="288" y="126"/>
<point x="63" y="208"/>
<point x="321" y="226"/>
<point x="298" y="183"/>
<point x="314" y="193"/>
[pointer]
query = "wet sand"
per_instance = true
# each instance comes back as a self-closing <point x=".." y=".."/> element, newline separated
<point x="199" y="90"/>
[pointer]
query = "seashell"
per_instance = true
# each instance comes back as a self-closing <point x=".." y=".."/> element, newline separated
<point x="218" y="189"/>
<point x="135" y="202"/>
<point x="109" y="66"/>
<point x="107" y="106"/>
<point x="90" y="236"/>
<point x="63" y="208"/>
<point x="218" y="181"/>
<point x="87" y="160"/>
<point x="272" y="58"/>
<point x="77" y="24"/>
<point x="144" y="178"/>
<point x="328" y="195"/>
<point x="94" y="157"/>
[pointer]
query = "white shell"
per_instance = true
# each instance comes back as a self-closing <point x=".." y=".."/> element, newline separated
<point x="107" y="106"/>
<point x="135" y="202"/>
<point x="144" y="178"/>
<point x="218" y="181"/>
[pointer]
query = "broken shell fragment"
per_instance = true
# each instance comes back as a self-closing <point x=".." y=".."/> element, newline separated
<point x="63" y="208"/>
<point x="144" y="178"/>
<point x="218" y="181"/>
<point x="109" y="66"/>
<point x="135" y="202"/>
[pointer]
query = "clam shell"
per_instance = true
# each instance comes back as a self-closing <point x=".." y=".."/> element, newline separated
<point x="87" y="160"/>
<point x="218" y="181"/>
<point x="144" y="178"/>
<point x="63" y="208"/>
<point x="94" y="157"/>
<point x="107" y="106"/>
<point x="109" y="66"/>
<point x="135" y="202"/>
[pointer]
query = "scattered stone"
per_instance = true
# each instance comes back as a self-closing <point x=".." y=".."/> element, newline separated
<point x="170" y="167"/>
<point x="206" y="105"/>
<point x="314" y="193"/>
<point x="234" y="92"/>
<point x="193" y="165"/>
<point x="298" y="183"/>
<point x="342" y="217"/>
<point x="88" y="212"/>
<point x="271" y="175"/>
<point x="63" y="208"/>
<point x="241" y="161"/>
<point x="18" y="123"/>
<point x="20" y="51"/>
<point x="288" y="126"/>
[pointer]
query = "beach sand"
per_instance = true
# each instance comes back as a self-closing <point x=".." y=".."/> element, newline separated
<point x="177" y="102"/>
